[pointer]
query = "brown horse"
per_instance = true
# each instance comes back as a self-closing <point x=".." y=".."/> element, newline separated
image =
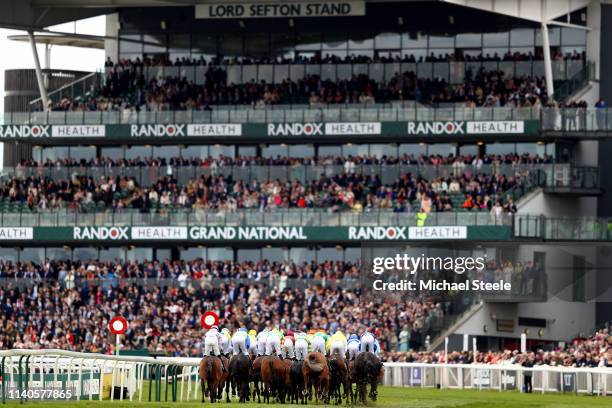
<point x="316" y="374"/>
<point x="273" y="375"/>
<point x="295" y="383"/>
<point x="368" y="369"/>
<point x="211" y="376"/>
<point x="339" y="375"/>
<point x="256" y="378"/>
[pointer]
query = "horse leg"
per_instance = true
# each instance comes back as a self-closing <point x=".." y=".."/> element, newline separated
<point x="203" y="391"/>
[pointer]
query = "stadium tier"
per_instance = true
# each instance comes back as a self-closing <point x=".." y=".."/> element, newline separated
<point x="412" y="183"/>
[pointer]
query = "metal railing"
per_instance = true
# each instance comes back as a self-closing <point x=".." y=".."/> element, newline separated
<point x="298" y="217"/>
<point x="574" y="120"/>
<point x="404" y="111"/>
<point x="563" y="228"/>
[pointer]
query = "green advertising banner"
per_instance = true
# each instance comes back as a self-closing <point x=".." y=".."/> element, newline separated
<point x="193" y="132"/>
<point x="224" y="234"/>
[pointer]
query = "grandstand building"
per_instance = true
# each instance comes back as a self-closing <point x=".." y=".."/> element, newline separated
<point x="309" y="131"/>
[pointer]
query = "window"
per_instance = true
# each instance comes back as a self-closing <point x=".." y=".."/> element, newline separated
<point x="573" y="36"/>
<point x="385" y="41"/>
<point x="522" y="37"/>
<point x="257" y="45"/>
<point x="469" y="40"/>
<point x="441" y="42"/>
<point x="155" y="43"/>
<point x="496" y="39"/>
<point x="130" y="44"/>
<point x="220" y="254"/>
<point x="309" y="42"/>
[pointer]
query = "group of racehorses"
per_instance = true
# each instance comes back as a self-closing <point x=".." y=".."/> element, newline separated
<point x="271" y="377"/>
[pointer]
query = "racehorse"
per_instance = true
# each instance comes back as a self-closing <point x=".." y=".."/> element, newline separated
<point x="367" y="370"/>
<point x="339" y="376"/>
<point x="316" y="373"/>
<point x="296" y="383"/>
<point x="211" y="376"/>
<point x="256" y="378"/>
<point x="240" y="368"/>
<point x="352" y="380"/>
<point x="225" y="380"/>
<point x="273" y="375"/>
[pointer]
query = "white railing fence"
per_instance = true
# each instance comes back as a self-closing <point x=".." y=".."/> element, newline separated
<point x="501" y="377"/>
<point x="88" y="376"/>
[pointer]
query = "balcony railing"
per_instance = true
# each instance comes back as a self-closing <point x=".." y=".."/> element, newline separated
<point x="563" y="228"/>
<point x="401" y="111"/>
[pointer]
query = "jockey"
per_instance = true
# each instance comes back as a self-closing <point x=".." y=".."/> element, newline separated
<point x="241" y="342"/>
<point x="368" y="343"/>
<point x="301" y="346"/>
<point x="319" y="343"/>
<point x="338" y="343"/>
<point x="353" y="346"/>
<point x="262" y="336"/>
<point x="211" y="343"/>
<point x="273" y="343"/>
<point x="253" y="341"/>
<point x="288" y="349"/>
<point x="225" y="342"/>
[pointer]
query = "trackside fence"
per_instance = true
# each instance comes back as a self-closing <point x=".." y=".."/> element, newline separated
<point x="502" y="377"/>
<point x="58" y="374"/>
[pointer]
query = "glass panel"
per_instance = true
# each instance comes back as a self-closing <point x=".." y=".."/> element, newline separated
<point x="361" y="43"/>
<point x="496" y="39"/>
<point x="334" y="42"/>
<point x="231" y="45"/>
<point x="573" y="36"/>
<point x="301" y="255"/>
<point x="522" y="37"/>
<point x="309" y="42"/>
<point x="441" y="42"/>
<point x="249" y="255"/>
<point x="154" y="43"/>
<point x="79" y="152"/>
<point x="220" y="254"/>
<point x="554" y="36"/>
<point x="85" y="254"/>
<point x="257" y="45"/>
<point x="134" y="46"/>
<point x="388" y="41"/>
<point x="32" y="255"/>
<point x="282" y="45"/>
<point x="205" y="45"/>
<point x="469" y="40"/>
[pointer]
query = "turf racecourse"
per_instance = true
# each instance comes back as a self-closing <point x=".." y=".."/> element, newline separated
<point x="389" y="397"/>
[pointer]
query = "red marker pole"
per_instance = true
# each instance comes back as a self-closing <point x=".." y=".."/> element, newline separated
<point x="118" y="325"/>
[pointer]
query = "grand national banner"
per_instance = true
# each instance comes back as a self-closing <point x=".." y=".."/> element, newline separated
<point x="276" y="9"/>
<point x="223" y="234"/>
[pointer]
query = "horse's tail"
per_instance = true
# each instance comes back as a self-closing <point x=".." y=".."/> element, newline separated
<point x="271" y="365"/>
<point x="209" y="368"/>
<point x="313" y="364"/>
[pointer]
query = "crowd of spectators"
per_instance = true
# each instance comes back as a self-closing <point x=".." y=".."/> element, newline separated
<point x="348" y="161"/>
<point x="317" y="58"/>
<point x="72" y="312"/>
<point x="341" y="192"/>
<point x="129" y="91"/>
<point x="594" y="350"/>
<point x="67" y="304"/>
